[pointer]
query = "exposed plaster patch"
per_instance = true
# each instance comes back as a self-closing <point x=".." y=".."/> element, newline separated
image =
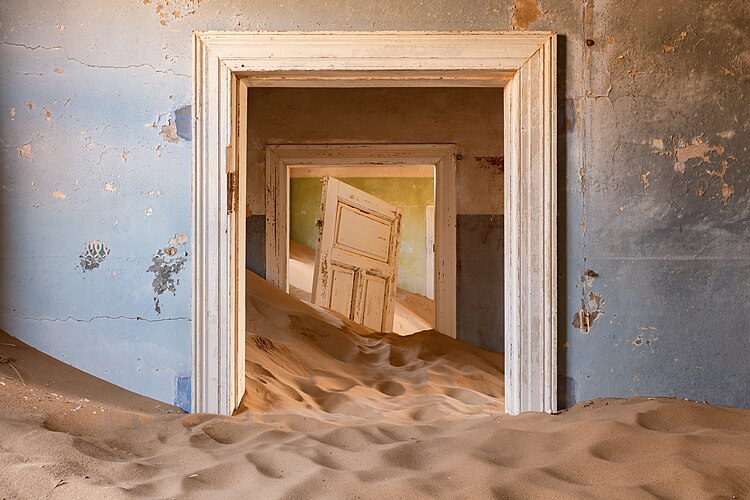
<point x="169" y="132"/>
<point x="108" y="186"/>
<point x="93" y="255"/>
<point x="727" y="190"/>
<point x="59" y="71"/>
<point x="149" y="212"/>
<point x="58" y="194"/>
<point x="696" y="149"/>
<point x="12" y="113"/>
<point x="657" y="144"/>
<point x="29" y="104"/>
<point x="641" y="341"/>
<point x="524" y="14"/>
<point x="169" y="10"/>
<point x="726" y="134"/>
<point x="671" y="47"/>
<point x="179" y="239"/>
<point x="25" y="151"/>
<point x="644" y="179"/>
<point x="591" y="304"/>
<point x="698" y="152"/>
<point x="47" y="113"/>
<point x="166" y="265"/>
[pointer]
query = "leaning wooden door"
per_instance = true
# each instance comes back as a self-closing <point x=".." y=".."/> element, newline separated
<point x="356" y="262"/>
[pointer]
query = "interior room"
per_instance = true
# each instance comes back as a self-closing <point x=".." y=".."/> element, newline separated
<point x="392" y="249"/>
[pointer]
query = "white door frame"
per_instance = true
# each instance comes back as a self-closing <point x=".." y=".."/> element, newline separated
<point x="523" y="63"/>
<point x="440" y="158"/>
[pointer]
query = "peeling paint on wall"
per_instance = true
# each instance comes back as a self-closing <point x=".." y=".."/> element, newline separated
<point x="698" y="152"/>
<point x="58" y="194"/>
<point x="671" y="47"/>
<point x="169" y="132"/>
<point x="644" y="179"/>
<point x="170" y="10"/>
<point x="93" y="255"/>
<point x="591" y="303"/>
<point x="166" y="265"/>
<point x="696" y="149"/>
<point x="642" y="342"/>
<point x="25" y="151"/>
<point x="524" y="14"/>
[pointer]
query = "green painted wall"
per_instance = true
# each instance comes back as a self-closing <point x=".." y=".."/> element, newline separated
<point x="412" y="195"/>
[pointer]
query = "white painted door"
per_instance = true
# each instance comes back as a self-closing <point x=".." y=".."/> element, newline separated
<point x="356" y="263"/>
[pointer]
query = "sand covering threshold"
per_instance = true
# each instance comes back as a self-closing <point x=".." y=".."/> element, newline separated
<point x="334" y="410"/>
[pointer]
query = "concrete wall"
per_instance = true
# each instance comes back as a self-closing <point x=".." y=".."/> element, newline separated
<point x="653" y="167"/>
<point x="411" y="195"/>
<point x="470" y="118"/>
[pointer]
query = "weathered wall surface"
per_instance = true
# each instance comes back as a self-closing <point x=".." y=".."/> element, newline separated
<point x="411" y="194"/>
<point x="653" y="157"/>
<point x="471" y="118"/>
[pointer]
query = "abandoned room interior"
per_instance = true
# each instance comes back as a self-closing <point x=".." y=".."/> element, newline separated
<point x="395" y="249"/>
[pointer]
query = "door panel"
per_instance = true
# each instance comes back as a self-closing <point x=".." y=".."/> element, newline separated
<point x="356" y="263"/>
<point x="373" y="296"/>
<point x="364" y="235"/>
<point x="342" y="289"/>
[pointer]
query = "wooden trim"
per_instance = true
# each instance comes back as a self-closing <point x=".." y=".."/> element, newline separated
<point x="212" y="315"/>
<point x="441" y="158"/>
<point x="530" y="235"/>
<point x="378" y="171"/>
<point x="382" y="59"/>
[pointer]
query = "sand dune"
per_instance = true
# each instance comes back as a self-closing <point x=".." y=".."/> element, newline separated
<point x="335" y="411"/>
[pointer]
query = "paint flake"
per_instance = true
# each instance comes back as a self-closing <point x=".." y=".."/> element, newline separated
<point x="25" y="151"/>
<point x="524" y="14"/>
<point x="169" y="132"/>
<point x="696" y="149"/>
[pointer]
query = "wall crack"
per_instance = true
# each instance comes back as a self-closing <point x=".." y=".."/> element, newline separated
<point x="79" y="320"/>
<point x="95" y="66"/>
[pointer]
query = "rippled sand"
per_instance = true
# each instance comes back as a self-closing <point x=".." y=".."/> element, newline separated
<point x="333" y="410"/>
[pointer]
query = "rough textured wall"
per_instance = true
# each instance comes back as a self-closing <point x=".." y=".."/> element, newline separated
<point x="653" y="161"/>
<point x="411" y="195"/>
<point x="471" y="118"/>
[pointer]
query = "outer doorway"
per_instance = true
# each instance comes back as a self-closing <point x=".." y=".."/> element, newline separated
<point x="226" y="63"/>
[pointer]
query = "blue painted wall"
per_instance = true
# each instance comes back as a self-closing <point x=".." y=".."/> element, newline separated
<point x="654" y="186"/>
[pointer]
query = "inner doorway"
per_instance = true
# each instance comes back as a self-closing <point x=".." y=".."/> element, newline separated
<point x="288" y="234"/>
